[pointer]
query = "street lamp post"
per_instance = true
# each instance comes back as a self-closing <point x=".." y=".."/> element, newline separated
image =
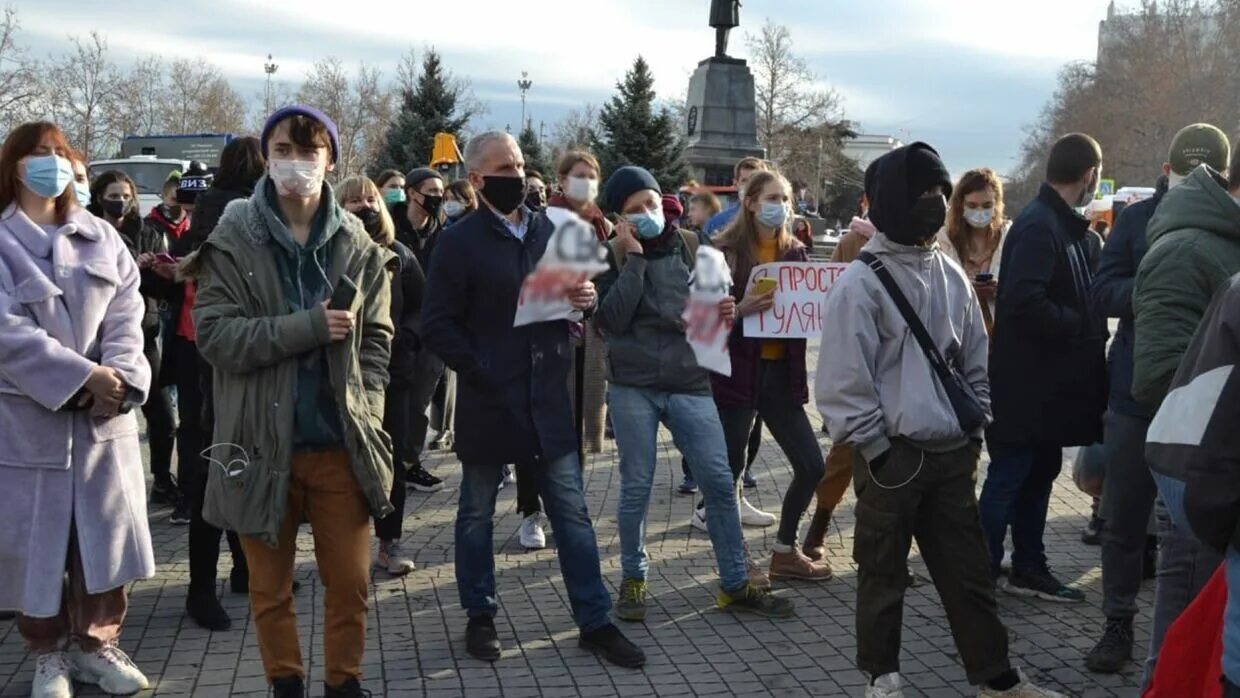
<point x="270" y="68"/>
<point x="524" y="84"/>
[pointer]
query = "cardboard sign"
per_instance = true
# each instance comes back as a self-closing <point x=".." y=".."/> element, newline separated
<point x="802" y="288"/>
<point x="573" y="256"/>
<point x="706" y="331"/>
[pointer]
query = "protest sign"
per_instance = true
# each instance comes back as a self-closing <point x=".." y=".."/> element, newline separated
<point x="802" y="288"/>
<point x="573" y="255"/>
<point x="706" y="331"/>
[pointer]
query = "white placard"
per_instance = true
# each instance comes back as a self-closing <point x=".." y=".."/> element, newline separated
<point x="573" y="255"/>
<point x="797" y="313"/>
<point x="706" y="331"/>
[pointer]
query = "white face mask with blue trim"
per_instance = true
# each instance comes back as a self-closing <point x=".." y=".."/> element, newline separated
<point x="649" y="224"/>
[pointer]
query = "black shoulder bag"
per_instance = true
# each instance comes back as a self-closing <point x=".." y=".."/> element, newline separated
<point x="969" y="411"/>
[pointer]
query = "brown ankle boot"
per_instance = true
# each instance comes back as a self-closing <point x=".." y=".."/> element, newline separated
<point x="788" y="563"/>
<point x="813" y="547"/>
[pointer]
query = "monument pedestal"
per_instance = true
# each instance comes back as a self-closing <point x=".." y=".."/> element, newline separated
<point x="721" y="124"/>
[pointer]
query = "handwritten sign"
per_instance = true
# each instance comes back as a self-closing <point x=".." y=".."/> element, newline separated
<point x="706" y="332"/>
<point x="573" y="256"/>
<point x="802" y="288"/>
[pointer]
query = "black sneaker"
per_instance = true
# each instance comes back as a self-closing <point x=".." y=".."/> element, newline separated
<point x="481" y="640"/>
<point x="422" y="481"/>
<point x="205" y="610"/>
<point x="180" y="515"/>
<point x="1092" y="533"/>
<point x="1041" y="584"/>
<point x="611" y="644"/>
<point x="165" y="492"/>
<point x="291" y="687"/>
<point x="1114" y="650"/>
<point x="349" y="689"/>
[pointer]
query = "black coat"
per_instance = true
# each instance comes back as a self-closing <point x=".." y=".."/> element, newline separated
<point x="1048" y="373"/>
<point x="1112" y="295"/>
<point x="420" y="242"/>
<point x="512" y="389"/>
<point x="407" y="292"/>
<point x="141" y="238"/>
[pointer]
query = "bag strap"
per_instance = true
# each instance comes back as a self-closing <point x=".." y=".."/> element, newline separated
<point x="688" y="237"/>
<point x="910" y="316"/>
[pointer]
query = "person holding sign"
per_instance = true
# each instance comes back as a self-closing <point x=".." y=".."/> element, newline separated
<point x="906" y="385"/>
<point x="769" y="377"/>
<point x="655" y="378"/>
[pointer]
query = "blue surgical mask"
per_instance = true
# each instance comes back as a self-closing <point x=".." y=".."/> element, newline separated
<point x="47" y="175"/>
<point x="82" y="189"/>
<point x="649" y="224"/>
<point x="773" y="215"/>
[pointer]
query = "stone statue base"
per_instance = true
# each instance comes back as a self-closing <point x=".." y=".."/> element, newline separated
<point x="721" y="123"/>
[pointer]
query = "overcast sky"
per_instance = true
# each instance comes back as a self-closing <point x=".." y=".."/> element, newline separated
<point x="966" y="76"/>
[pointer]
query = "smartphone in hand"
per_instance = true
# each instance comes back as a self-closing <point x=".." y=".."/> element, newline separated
<point x="343" y="295"/>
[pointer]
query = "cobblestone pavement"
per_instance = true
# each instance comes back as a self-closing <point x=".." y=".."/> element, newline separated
<point x="415" y="629"/>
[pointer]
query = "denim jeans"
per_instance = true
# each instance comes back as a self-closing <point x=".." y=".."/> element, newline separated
<point x="1184" y="566"/>
<point x="1018" y="491"/>
<point x="559" y="482"/>
<point x="694" y="422"/>
<point x="1128" y="494"/>
<point x="1231" y="619"/>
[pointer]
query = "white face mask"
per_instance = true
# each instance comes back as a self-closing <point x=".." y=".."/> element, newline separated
<point x="581" y="189"/>
<point x="301" y="178"/>
<point x="453" y="208"/>
<point x="772" y="214"/>
<point x="1174" y="180"/>
<point x="979" y="217"/>
<point x="1088" y="196"/>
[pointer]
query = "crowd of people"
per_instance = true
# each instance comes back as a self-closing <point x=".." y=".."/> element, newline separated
<point x="319" y="337"/>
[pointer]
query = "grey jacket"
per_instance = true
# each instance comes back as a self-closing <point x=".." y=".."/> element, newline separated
<point x="874" y="382"/>
<point x="639" y="316"/>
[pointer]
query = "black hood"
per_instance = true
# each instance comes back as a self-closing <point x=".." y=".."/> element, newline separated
<point x="898" y="179"/>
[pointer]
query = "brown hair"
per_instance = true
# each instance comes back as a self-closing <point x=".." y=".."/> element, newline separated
<point x="132" y="219"/>
<point x="360" y="187"/>
<point x="463" y="192"/>
<point x="21" y="142"/>
<point x="748" y="164"/>
<point x="957" y="228"/>
<point x="707" y="199"/>
<point x="572" y="158"/>
<point x="307" y="133"/>
<point x="739" y="241"/>
<point x="387" y="176"/>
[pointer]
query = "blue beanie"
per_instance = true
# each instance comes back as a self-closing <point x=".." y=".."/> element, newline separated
<point x="308" y="112"/>
<point x="625" y="182"/>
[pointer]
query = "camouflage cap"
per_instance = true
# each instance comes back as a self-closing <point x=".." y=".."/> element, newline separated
<point x="1196" y="145"/>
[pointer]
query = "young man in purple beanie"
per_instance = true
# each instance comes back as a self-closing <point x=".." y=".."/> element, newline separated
<point x="292" y="311"/>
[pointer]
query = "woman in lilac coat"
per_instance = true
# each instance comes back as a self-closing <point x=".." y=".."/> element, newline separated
<point x="72" y="489"/>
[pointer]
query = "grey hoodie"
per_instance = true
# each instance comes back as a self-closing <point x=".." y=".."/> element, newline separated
<point x="874" y="382"/>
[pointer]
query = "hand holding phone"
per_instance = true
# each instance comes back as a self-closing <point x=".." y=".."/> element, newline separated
<point x="765" y="285"/>
<point x="339" y="317"/>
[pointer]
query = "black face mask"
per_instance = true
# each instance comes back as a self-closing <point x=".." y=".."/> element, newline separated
<point x="370" y="219"/>
<point x="926" y="219"/>
<point x="504" y="193"/>
<point x="534" y="200"/>
<point x="115" y="208"/>
<point x="172" y="212"/>
<point x="431" y="205"/>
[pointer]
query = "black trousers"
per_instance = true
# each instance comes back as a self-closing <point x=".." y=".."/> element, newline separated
<point x="193" y="436"/>
<point x="930" y="497"/>
<point x="395" y="418"/>
<point x="528" y="502"/>
<point x="160" y="426"/>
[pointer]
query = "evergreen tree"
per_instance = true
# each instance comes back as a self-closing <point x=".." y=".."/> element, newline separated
<point x="434" y="105"/>
<point x="532" y="149"/>
<point x="632" y="132"/>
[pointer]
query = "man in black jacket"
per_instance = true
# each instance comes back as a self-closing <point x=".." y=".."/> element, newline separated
<point x="1047" y="367"/>
<point x="1129" y="491"/>
<point x="514" y="403"/>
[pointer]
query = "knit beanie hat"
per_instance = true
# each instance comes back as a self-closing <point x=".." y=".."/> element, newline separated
<point x="1197" y="145"/>
<point x="196" y="180"/>
<point x="308" y="112"/>
<point x="625" y="182"/>
<point x="925" y="170"/>
<point x="417" y="175"/>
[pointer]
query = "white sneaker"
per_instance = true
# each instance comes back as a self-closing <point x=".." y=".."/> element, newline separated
<point x="510" y="475"/>
<point x="1024" y="689"/>
<point x="110" y="669"/>
<point x="393" y="559"/>
<point x="532" y="536"/>
<point x="51" y="676"/>
<point x="886" y="686"/>
<point x="698" y="520"/>
<point x="752" y="516"/>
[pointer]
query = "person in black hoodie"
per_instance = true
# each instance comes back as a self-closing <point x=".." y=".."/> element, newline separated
<point x="1047" y="368"/>
<point x="359" y="196"/>
<point x="241" y="164"/>
<point x="114" y="199"/>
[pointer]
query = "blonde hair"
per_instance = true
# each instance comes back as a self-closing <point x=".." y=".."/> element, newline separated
<point x="360" y="187"/>
<point x="739" y="241"/>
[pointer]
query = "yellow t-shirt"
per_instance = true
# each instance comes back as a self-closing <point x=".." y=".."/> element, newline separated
<point x="772" y="349"/>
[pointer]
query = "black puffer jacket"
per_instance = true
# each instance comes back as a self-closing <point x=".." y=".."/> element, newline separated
<point x="141" y="238"/>
<point x="407" y="295"/>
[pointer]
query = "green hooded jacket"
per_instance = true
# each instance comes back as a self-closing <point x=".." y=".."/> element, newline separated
<point x="248" y="332"/>
<point x="1194" y="248"/>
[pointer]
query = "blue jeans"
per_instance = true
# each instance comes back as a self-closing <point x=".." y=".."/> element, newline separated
<point x="1018" y="492"/>
<point x="1231" y="619"/>
<point x="694" y="422"/>
<point x="559" y="483"/>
